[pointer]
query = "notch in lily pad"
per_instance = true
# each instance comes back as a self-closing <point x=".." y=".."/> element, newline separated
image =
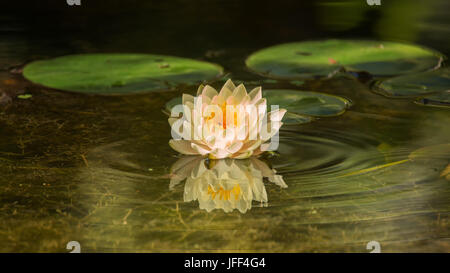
<point x="119" y="73"/>
<point x="324" y="58"/>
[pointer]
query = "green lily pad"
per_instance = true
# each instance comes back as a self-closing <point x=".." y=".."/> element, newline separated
<point x="438" y="100"/>
<point x="307" y="102"/>
<point x="291" y="118"/>
<point x="320" y="58"/>
<point x="119" y="73"/>
<point x="415" y="84"/>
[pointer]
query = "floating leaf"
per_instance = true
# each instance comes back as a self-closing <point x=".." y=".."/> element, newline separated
<point x="415" y="84"/>
<point x="291" y="118"/>
<point x="438" y="100"/>
<point x="119" y="73"/>
<point x="321" y="58"/>
<point x="306" y="102"/>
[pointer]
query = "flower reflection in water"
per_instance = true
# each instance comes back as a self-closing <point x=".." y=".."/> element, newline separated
<point x="226" y="184"/>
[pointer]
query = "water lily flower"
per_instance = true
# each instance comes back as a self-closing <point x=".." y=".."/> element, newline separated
<point x="227" y="124"/>
<point x="225" y="184"/>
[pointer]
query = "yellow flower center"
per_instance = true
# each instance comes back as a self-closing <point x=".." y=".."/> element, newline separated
<point x="224" y="116"/>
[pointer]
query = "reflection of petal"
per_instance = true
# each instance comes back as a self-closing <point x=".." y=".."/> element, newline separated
<point x="182" y="169"/>
<point x="225" y="184"/>
<point x="269" y="173"/>
<point x="198" y="169"/>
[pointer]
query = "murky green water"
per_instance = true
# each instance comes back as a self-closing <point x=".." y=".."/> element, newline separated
<point x="97" y="169"/>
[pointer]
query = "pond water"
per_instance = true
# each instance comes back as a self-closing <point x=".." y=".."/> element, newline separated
<point x="98" y="169"/>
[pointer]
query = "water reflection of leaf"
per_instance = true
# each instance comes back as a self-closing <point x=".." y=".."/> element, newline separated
<point x="225" y="184"/>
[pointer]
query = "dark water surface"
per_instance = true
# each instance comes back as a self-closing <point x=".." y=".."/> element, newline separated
<point x="96" y="169"/>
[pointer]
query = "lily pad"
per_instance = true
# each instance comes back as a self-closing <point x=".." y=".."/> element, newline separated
<point x="291" y="118"/>
<point x="307" y="102"/>
<point x="415" y="84"/>
<point x="119" y="73"/>
<point x="438" y="100"/>
<point x="321" y="58"/>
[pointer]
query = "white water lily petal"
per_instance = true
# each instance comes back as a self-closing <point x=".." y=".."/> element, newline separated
<point x="183" y="147"/>
<point x="243" y="155"/>
<point x="252" y="145"/>
<point x="206" y="100"/>
<point x="219" y="154"/>
<point x="200" y="89"/>
<point x="172" y="120"/>
<point x="229" y="84"/>
<point x="190" y="106"/>
<point x="200" y="149"/>
<point x="226" y="124"/>
<point x="187" y="98"/>
<point x="188" y="132"/>
<point x="235" y="147"/>
<point x="255" y="94"/>
<point x="239" y="94"/>
<point x="224" y="94"/>
<point x="277" y="115"/>
<point x="209" y="92"/>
